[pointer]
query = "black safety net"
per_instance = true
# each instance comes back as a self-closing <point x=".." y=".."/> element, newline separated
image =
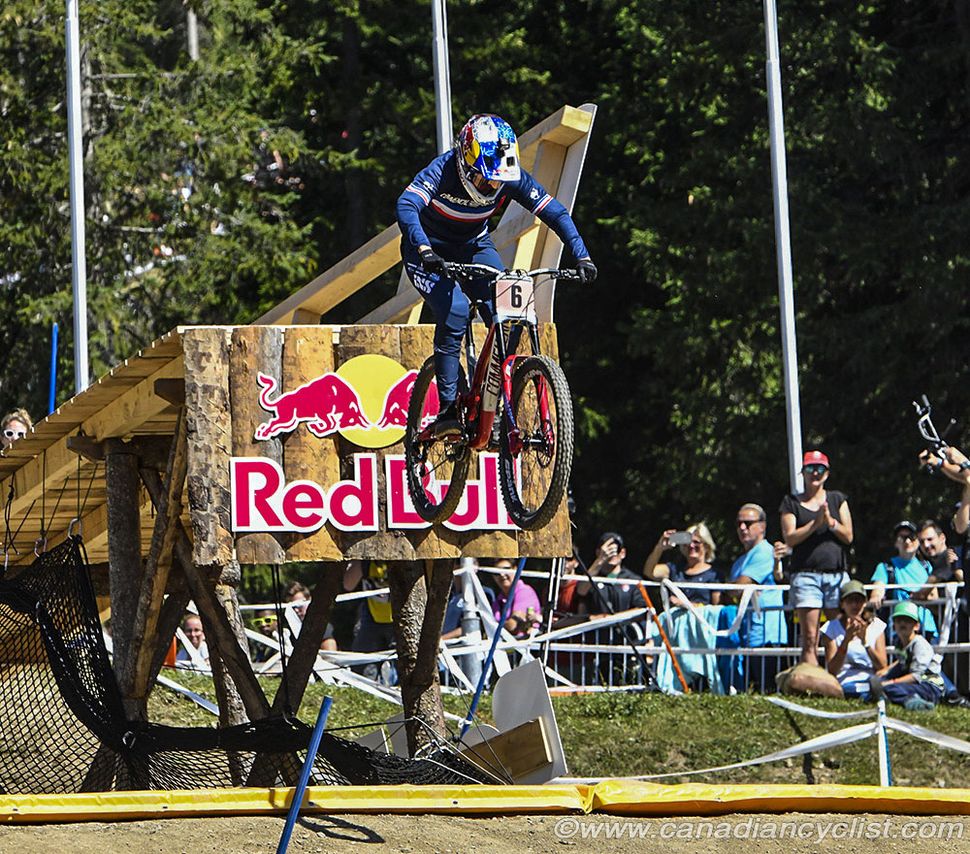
<point x="63" y="726"/>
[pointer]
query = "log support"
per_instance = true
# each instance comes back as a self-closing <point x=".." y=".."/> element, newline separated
<point x="124" y="557"/>
<point x="419" y="595"/>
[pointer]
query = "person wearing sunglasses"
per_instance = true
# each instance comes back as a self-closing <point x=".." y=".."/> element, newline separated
<point x="15" y="425"/>
<point x="817" y="525"/>
<point x="906" y="567"/>
<point x="694" y="565"/>
<point x="765" y="626"/>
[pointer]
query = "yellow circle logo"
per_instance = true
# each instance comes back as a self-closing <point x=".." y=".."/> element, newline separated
<point x="384" y="389"/>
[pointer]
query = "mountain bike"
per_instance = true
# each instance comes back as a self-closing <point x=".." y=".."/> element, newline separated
<point x="518" y="404"/>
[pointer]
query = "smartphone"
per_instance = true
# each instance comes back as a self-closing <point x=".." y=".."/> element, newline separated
<point x="680" y="538"/>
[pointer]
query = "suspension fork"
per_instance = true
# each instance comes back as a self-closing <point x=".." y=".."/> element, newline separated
<point x="542" y="394"/>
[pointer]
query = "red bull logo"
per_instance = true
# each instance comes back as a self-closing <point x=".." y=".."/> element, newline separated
<point x="365" y="400"/>
<point x="263" y="500"/>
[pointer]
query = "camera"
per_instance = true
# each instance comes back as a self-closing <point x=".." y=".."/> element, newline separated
<point x="679" y="538"/>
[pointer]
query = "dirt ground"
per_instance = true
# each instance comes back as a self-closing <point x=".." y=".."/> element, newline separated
<point x="764" y="834"/>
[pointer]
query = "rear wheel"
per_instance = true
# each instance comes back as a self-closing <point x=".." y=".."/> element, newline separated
<point x="436" y="467"/>
<point x="541" y="445"/>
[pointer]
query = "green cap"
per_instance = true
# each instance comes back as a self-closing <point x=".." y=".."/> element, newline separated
<point x="851" y="587"/>
<point x="906" y="609"/>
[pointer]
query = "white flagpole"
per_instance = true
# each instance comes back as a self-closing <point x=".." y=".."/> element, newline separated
<point x="442" y="75"/>
<point x="74" y="142"/>
<point x="779" y="183"/>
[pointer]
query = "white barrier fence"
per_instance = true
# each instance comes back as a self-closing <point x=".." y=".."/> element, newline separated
<point x="878" y="728"/>
<point x="602" y="652"/>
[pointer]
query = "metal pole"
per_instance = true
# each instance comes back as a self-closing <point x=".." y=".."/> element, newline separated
<point x="298" y="793"/>
<point x="885" y="768"/>
<point x="192" y="35"/>
<point x="779" y="184"/>
<point x="74" y="142"/>
<point x="442" y="75"/>
<point x="52" y="395"/>
<point x="471" y="622"/>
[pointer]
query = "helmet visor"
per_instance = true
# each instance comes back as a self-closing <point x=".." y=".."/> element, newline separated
<point x="483" y="185"/>
<point x="498" y="160"/>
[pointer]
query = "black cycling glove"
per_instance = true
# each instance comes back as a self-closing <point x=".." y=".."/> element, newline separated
<point x="432" y="261"/>
<point x="587" y="271"/>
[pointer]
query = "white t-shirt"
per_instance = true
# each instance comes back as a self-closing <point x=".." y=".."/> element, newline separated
<point x="857" y="666"/>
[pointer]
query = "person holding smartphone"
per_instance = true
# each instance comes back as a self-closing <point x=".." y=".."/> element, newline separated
<point x="608" y="563"/>
<point x="697" y="549"/>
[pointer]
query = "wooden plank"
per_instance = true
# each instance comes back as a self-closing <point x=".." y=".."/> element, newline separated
<point x="255" y="349"/>
<point x="308" y="352"/>
<point x="57" y="462"/>
<point x="136" y="679"/>
<point x="344" y="278"/>
<point x="519" y="752"/>
<point x="208" y="442"/>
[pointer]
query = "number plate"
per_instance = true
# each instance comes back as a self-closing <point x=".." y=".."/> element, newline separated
<point x="514" y="298"/>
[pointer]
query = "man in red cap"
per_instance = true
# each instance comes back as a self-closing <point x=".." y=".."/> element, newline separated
<point x="817" y="526"/>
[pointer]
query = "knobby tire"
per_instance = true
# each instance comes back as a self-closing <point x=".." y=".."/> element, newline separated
<point x="417" y="454"/>
<point x="535" y="505"/>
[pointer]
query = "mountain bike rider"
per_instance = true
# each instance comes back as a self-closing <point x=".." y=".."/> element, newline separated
<point x="443" y="214"/>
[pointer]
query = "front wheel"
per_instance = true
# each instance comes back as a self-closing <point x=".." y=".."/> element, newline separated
<point x="436" y="467"/>
<point x="538" y="442"/>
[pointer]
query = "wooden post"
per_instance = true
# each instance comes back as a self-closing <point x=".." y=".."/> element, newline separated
<point x="304" y="656"/>
<point x="209" y="440"/>
<point x="418" y="605"/>
<point x="254" y="350"/>
<point x="124" y="556"/>
<point x="299" y="666"/>
<point x="135" y="679"/>
<point x="221" y="635"/>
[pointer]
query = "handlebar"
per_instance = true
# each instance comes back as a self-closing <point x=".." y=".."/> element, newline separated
<point x="472" y="271"/>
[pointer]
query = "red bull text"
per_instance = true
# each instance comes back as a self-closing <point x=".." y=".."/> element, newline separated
<point x="262" y="500"/>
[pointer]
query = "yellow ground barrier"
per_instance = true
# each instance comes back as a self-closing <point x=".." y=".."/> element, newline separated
<point x="614" y="797"/>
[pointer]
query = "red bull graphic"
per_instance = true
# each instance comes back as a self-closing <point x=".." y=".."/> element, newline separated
<point x="262" y="500"/>
<point x="394" y="412"/>
<point x="365" y="400"/>
<point x="327" y="404"/>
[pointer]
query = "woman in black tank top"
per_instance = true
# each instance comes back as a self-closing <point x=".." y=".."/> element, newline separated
<point x="817" y="525"/>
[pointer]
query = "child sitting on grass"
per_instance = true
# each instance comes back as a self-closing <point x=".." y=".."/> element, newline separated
<point x="915" y="681"/>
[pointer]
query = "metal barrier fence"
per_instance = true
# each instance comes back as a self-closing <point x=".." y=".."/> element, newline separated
<point x="597" y="653"/>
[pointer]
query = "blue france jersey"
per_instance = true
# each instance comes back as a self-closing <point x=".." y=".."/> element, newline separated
<point x="434" y="208"/>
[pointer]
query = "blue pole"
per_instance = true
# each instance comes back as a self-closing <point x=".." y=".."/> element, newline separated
<point x="52" y="397"/>
<point x="487" y="665"/>
<point x="300" y="790"/>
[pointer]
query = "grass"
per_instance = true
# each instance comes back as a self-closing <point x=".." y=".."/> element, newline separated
<point x="636" y="734"/>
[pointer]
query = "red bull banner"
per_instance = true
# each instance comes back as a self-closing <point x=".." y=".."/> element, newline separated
<point x="366" y="401"/>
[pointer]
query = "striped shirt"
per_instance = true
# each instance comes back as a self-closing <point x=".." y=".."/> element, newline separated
<point x="435" y="208"/>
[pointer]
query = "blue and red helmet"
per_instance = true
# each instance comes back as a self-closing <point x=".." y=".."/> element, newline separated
<point x="487" y="155"/>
